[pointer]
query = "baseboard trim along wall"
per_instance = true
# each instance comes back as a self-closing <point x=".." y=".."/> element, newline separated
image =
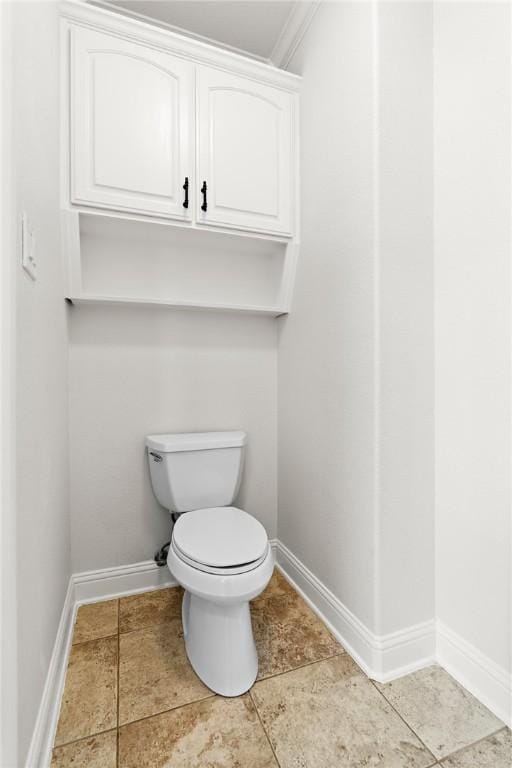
<point x="91" y="586"/>
<point x="488" y="682"/>
<point x="383" y="658"/>
<point x="40" y="750"/>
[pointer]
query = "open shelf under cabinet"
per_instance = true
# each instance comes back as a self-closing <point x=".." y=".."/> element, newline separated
<point x="120" y="261"/>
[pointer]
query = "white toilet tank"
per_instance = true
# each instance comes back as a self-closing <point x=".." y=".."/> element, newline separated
<point x="195" y="470"/>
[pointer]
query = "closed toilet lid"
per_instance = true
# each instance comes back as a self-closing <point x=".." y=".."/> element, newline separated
<point x="220" y="537"/>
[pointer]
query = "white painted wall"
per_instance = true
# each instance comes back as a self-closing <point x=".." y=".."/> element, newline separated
<point x="356" y="353"/>
<point x="8" y="575"/>
<point x="327" y="344"/>
<point x="472" y="277"/>
<point x="405" y="332"/>
<point x="41" y="340"/>
<point x="136" y="371"/>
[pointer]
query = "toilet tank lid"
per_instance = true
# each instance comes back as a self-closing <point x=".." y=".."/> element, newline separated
<point x="195" y="441"/>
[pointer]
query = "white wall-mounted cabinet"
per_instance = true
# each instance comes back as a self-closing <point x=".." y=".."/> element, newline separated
<point x="179" y="172"/>
<point x="151" y="115"/>
<point x="245" y="149"/>
<point x="131" y="117"/>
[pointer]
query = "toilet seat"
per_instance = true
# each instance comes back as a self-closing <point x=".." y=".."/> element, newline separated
<point x="232" y="570"/>
<point x="220" y="540"/>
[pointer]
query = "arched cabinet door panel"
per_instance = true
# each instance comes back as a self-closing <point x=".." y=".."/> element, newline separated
<point x="131" y="126"/>
<point x="245" y="145"/>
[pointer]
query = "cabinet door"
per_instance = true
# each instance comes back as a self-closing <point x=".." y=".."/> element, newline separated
<point x="131" y="123"/>
<point x="245" y="135"/>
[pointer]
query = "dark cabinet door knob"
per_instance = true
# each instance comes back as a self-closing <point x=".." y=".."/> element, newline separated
<point x="185" y="187"/>
<point x="204" y="206"/>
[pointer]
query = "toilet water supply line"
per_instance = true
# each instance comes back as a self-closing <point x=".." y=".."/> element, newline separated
<point x="161" y="556"/>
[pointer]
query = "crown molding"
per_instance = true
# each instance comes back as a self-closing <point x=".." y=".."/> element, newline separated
<point x="138" y="30"/>
<point x="122" y="11"/>
<point x="295" y="28"/>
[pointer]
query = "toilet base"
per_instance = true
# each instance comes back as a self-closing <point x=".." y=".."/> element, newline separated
<point x="220" y="644"/>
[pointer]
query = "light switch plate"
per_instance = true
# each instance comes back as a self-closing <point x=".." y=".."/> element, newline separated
<point x="28" y="248"/>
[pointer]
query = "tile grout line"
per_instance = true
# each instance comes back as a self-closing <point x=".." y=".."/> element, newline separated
<point x="139" y="720"/>
<point x="403" y="720"/>
<point x="107" y="730"/>
<point x="85" y="738"/>
<point x="301" y="666"/>
<point x="263" y="727"/>
<point x="93" y="639"/>
<point x="172" y="709"/>
<point x="450" y="754"/>
<point x="472" y="744"/>
<point x="178" y="617"/>
<point x="211" y="695"/>
<point x="148" y="626"/>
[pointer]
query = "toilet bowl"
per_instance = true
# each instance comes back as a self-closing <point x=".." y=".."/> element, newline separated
<point x="219" y="554"/>
<point x="222" y="559"/>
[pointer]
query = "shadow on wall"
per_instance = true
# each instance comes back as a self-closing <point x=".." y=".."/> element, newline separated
<point x="155" y="326"/>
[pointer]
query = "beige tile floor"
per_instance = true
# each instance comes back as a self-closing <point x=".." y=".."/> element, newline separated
<point x="131" y="699"/>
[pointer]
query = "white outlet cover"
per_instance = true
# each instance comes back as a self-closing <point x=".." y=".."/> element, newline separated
<point x="28" y="248"/>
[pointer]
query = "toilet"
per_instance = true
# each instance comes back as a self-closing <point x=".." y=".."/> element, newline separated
<point x="219" y="554"/>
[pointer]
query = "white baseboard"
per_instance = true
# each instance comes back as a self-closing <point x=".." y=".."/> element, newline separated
<point x="40" y="750"/>
<point x="91" y="586"/>
<point x="488" y="682"/>
<point x="383" y="657"/>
